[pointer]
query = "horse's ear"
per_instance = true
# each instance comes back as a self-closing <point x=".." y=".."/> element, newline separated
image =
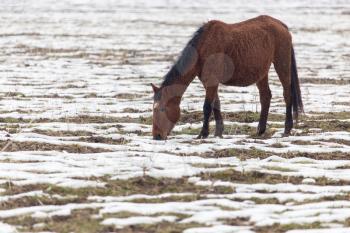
<point x="155" y="88"/>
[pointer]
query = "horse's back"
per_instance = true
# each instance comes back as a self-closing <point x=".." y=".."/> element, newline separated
<point x="252" y="26"/>
<point x="251" y="45"/>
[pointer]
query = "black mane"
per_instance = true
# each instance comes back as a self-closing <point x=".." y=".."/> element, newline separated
<point x="185" y="59"/>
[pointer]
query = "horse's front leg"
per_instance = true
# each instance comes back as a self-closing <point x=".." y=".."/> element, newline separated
<point x="219" y="123"/>
<point x="265" y="99"/>
<point x="210" y="94"/>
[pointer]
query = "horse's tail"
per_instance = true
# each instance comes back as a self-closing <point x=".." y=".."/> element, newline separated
<point x="297" y="101"/>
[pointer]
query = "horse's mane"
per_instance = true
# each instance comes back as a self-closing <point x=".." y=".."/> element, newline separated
<point x="186" y="59"/>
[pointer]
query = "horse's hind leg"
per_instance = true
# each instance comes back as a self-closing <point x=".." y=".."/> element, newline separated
<point x="219" y="123"/>
<point x="283" y="68"/>
<point x="265" y="100"/>
<point x="210" y="94"/>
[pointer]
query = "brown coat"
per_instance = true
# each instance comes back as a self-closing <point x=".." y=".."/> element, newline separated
<point x="237" y="54"/>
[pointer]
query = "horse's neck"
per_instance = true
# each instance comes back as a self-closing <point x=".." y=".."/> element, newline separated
<point x="179" y="86"/>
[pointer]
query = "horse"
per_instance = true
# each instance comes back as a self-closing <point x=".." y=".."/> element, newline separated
<point x="237" y="54"/>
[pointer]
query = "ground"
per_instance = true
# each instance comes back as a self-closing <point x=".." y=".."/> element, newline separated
<point x="76" y="110"/>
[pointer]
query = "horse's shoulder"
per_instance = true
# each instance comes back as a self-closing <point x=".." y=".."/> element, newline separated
<point x="265" y="17"/>
<point x="215" y="28"/>
<point x="215" y="22"/>
<point x="213" y="25"/>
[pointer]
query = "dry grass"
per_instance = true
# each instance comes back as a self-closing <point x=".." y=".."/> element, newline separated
<point x="13" y="146"/>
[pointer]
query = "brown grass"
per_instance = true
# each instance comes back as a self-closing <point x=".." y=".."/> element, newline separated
<point x="13" y="146"/>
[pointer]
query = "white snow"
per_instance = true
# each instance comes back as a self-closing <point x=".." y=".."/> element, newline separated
<point x="326" y="230"/>
<point x="220" y="228"/>
<point x="68" y="59"/>
<point x="5" y="228"/>
<point x="122" y="222"/>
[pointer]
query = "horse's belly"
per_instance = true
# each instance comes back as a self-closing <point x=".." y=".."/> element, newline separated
<point x="241" y="69"/>
<point x="250" y="65"/>
<point x="240" y="81"/>
<point x="247" y="78"/>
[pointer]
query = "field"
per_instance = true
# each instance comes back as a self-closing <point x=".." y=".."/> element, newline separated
<point x="77" y="153"/>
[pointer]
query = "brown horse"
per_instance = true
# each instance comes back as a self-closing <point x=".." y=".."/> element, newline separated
<point x="235" y="55"/>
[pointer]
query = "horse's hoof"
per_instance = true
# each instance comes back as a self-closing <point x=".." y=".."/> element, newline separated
<point x="202" y="136"/>
<point x="218" y="133"/>
<point x="287" y="131"/>
<point x="260" y="132"/>
<point x="219" y="130"/>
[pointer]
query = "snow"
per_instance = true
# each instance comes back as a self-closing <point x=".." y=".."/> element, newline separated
<point x="308" y="181"/>
<point x="221" y="228"/>
<point x="327" y="230"/>
<point x="5" y="228"/>
<point x="122" y="222"/>
<point x="67" y="59"/>
<point x="137" y="196"/>
<point x="21" y="195"/>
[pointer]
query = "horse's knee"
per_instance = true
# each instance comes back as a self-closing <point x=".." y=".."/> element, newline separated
<point x="269" y="95"/>
<point x="207" y="108"/>
<point x="264" y="91"/>
<point x="265" y="101"/>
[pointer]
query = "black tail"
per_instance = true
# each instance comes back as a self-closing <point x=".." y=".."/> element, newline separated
<point x="297" y="101"/>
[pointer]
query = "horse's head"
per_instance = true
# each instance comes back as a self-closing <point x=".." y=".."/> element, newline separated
<point x="166" y="112"/>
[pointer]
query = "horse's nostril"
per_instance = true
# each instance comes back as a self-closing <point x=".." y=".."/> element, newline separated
<point x="157" y="137"/>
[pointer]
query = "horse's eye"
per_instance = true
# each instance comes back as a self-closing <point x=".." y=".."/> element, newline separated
<point x="162" y="109"/>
